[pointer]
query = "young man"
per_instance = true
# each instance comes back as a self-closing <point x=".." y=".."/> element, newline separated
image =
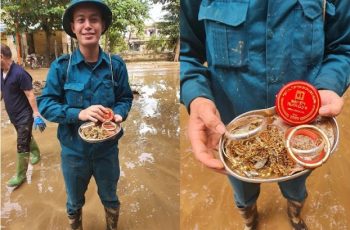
<point x="79" y="88"/>
<point x="252" y="48"/>
<point x="21" y="107"/>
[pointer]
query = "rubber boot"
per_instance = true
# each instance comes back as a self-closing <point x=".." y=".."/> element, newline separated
<point x="250" y="216"/>
<point x="34" y="152"/>
<point x="112" y="216"/>
<point x="21" y="169"/>
<point x="75" y="221"/>
<point x="293" y="210"/>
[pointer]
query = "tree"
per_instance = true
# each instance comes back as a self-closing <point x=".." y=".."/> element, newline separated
<point x="157" y="43"/>
<point x="33" y="15"/>
<point x="169" y="27"/>
<point x="127" y="15"/>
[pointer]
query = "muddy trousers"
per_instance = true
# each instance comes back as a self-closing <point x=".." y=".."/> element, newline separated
<point x="24" y="136"/>
<point x="112" y="216"/>
<point x="294" y="209"/>
<point x="250" y="217"/>
<point x="246" y="194"/>
<point x="75" y="221"/>
<point x="78" y="168"/>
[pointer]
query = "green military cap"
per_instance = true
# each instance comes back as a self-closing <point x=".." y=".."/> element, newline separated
<point x="68" y="14"/>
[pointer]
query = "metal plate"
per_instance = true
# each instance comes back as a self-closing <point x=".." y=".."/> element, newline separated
<point x="327" y="124"/>
<point x="88" y="124"/>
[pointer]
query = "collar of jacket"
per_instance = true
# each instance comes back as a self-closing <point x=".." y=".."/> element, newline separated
<point x="77" y="57"/>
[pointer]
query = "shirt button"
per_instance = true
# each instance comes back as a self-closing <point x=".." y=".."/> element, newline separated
<point x="269" y="34"/>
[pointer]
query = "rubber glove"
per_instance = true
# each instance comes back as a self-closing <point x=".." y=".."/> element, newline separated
<point x="39" y="123"/>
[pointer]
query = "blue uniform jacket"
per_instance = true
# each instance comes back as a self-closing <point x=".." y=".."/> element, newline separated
<point x="72" y="87"/>
<point x="253" y="47"/>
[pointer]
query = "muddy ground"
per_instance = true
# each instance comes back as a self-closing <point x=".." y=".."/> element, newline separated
<point x="207" y="199"/>
<point x="149" y="159"/>
<point x="162" y="186"/>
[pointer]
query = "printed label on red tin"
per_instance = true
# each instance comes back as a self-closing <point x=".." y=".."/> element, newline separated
<point x="298" y="103"/>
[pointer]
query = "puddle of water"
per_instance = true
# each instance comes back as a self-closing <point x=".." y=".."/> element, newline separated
<point x="327" y="206"/>
<point x="149" y="161"/>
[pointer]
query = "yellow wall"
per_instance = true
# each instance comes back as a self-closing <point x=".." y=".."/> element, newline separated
<point x="40" y="42"/>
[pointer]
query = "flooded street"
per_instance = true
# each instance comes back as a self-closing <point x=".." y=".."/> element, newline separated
<point x="207" y="199"/>
<point x="162" y="186"/>
<point x="149" y="159"/>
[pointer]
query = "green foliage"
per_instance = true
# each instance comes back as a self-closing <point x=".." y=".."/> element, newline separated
<point x="31" y="15"/>
<point x="157" y="44"/>
<point x="169" y="26"/>
<point x="127" y="14"/>
<point x="119" y="44"/>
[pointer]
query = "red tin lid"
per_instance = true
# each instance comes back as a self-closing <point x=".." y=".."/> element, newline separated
<point x="298" y="103"/>
<point x="109" y="115"/>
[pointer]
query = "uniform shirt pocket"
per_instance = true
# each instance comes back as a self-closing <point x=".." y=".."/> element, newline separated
<point x="226" y="34"/>
<point x="308" y="39"/>
<point x="74" y="94"/>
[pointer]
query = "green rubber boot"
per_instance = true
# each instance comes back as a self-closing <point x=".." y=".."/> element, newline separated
<point x="21" y="169"/>
<point x="34" y="152"/>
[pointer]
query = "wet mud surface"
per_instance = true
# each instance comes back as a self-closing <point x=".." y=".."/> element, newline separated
<point x="207" y="198"/>
<point x="149" y="160"/>
<point x="161" y="182"/>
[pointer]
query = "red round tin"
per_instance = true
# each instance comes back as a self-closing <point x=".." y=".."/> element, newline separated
<point x="109" y="115"/>
<point x="298" y="103"/>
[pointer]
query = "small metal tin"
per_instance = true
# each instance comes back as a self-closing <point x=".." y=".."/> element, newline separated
<point x="329" y="125"/>
<point x="114" y="132"/>
<point x="109" y="116"/>
<point x="298" y="102"/>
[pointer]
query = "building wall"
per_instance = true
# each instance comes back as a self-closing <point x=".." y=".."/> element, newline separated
<point x="40" y="43"/>
<point x="9" y="40"/>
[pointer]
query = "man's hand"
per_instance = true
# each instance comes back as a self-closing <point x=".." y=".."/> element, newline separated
<point x="39" y="123"/>
<point x="93" y="113"/>
<point x="118" y="118"/>
<point x="204" y="130"/>
<point x="331" y="103"/>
